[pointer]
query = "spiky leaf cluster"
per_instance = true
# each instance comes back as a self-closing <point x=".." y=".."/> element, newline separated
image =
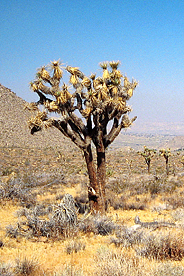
<point x="165" y="153"/>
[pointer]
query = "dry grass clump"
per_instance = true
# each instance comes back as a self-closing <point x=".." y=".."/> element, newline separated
<point x="70" y="270"/>
<point x="163" y="246"/>
<point x="111" y="263"/>
<point x="168" y="269"/>
<point x="74" y="246"/>
<point x="25" y="266"/>
<point x="6" y="270"/>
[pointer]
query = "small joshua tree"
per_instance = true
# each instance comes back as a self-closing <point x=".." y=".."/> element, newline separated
<point x="99" y="100"/>
<point x="148" y="154"/>
<point x="166" y="153"/>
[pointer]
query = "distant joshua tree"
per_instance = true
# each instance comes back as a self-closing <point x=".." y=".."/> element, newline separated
<point x="148" y="154"/>
<point x="182" y="160"/>
<point x="98" y="100"/>
<point x="166" y="153"/>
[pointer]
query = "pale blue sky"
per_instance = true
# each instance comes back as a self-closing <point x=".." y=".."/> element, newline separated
<point x="146" y="36"/>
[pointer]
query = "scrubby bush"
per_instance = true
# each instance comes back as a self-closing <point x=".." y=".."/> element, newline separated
<point x="127" y="237"/>
<point x="62" y="221"/>
<point x="26" y="267"/>
<point x="101" y="225"/>
<point x="14" y="189"/>
<point x="163" y="246"/>
<point x="175" y="200"/>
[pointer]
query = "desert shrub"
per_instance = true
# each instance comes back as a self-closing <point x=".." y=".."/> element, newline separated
<point x="121" y="202"/>
<point x="12" y="231"/>
<point x="168" y="269"/>
<point x="127" y="237"/>
<point x="118" y="184"/>
<point x="38" y="210"/>
<point x="163" y="246"/>
<point x="64" y="217"/>
<point x="74" y="246"/>
<point x="110" y="263"/>
<point x="98" y="225"/>
<point x="15" y="190"/>
<point x="164" y="184"/>
<point x="175" y="201"/>
<point x="113" y="200"/>
<point x="26" y="267"/>
<point x="129" y="206"/>
<point x="62" y="221"/>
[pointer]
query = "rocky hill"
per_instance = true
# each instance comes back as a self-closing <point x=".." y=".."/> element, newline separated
<point x="14" y="131"/>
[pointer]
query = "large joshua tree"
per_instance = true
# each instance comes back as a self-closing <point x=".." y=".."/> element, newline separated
<point x="98" y="101"/>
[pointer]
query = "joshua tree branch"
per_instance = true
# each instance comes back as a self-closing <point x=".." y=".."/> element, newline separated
<point x="43" y="99"/>
<point x="74" y="136"/>
<point x="116" y="128"/>
<point x="78" y="122"/>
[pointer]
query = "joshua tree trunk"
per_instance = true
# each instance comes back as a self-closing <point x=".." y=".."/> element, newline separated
<point x="148" y="164"/>
<point x="96" y="190"/>
<point x="167" y="165"/>
<point x="101" y="176"/>
<point x="93" y="188"/>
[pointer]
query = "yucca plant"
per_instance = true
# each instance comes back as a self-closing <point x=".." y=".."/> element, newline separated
<point x="98" y="100"/>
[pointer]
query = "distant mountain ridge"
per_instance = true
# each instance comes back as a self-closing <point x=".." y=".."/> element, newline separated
<point x="161" y="128"/>
<point x="14" y="131"/>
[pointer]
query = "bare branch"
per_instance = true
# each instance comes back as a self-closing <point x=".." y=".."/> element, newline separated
<point x="116" y="128"/>
<point x="74" y="136"/>
<point x="43" y="99"/>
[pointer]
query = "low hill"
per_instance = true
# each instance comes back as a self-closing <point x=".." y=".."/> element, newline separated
<point x="14" y="131"/>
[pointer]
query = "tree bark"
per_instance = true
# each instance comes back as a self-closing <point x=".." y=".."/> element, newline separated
<point x="96" y="190"/>
<point x="101" y="176"/>
<point x="167" y="165"/>
<point x="93" y="188"/>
